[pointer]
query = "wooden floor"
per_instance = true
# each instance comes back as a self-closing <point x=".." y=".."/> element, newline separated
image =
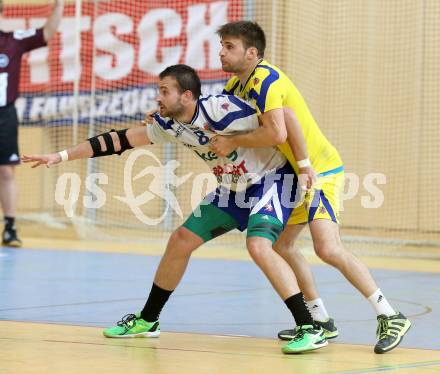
<point x="28" y="347"/>
<point x="45" y="348"/>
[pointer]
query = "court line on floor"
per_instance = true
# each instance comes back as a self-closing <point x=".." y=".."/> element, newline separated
<point x="388" y="368"/>
<point x="427" y="309"/>
<point x="305" y="356"/>
<point x="216" y="292"/>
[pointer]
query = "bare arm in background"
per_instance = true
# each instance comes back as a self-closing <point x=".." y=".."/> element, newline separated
<point x="52" y="23"/>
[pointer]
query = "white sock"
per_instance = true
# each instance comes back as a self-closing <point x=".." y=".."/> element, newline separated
<point x="317" y="310"/>
<point x="380" y="304"/>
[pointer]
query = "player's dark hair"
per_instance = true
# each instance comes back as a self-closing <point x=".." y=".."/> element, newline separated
<point x="250" y="33"/>
<point x="186" y="78"/>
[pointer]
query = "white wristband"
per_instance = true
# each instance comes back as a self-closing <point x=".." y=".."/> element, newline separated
<point x="64" y="155"/>
<point x="304" y="163"/>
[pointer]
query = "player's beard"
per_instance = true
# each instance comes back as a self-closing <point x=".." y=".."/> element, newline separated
<point x="228" y="68"/>
<point x="234" y="67"/>
<point x="172" y="111"/>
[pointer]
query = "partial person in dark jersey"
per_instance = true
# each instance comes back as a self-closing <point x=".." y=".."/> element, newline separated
<point x="12" y="47"/>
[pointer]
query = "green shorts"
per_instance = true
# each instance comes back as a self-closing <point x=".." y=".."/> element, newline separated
<point x="211" y="222"/>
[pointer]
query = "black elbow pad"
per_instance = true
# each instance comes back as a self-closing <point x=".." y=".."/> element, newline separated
<point x="125" y="144"/>
<point x="96" y="145"/>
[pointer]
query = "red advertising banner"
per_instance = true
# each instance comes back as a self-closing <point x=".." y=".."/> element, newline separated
<point x="123" y="45"/>
<point x="126" y="41"/>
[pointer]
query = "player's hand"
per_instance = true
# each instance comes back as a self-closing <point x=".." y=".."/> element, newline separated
<point x="306" y="178"/>
<point x="222" y="145"/>
<point x="148" y="119"/>
<point x="48" y="159"/>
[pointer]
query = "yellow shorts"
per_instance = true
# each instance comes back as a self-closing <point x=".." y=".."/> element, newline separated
<point x="322" y="201"/>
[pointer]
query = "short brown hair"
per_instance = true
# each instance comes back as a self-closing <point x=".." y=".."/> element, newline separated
<point x="186" y="78"/>
<point x="250" y="33"/>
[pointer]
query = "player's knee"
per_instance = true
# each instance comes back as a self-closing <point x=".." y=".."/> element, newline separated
<point x="284" y="247"/>
<point x="330" y="253"/>
<point x="6" y="173"/>
<point x="183" y="242"/>
<point x="254" y="250"/>
<point x="257" y="247"/>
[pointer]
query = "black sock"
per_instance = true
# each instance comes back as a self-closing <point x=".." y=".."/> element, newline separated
<point x="9" y="223"/>
<point x="298" y="308"/>
<point x="157" y="299"/>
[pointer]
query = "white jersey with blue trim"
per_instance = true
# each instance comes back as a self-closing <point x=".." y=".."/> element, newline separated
<point x="220" y="115"/>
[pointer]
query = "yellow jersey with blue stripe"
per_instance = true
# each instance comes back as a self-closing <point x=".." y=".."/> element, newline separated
<point x="269" y="88"/>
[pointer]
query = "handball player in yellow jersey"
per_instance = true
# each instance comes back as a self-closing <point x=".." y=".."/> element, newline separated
<point x="320" y="172"/>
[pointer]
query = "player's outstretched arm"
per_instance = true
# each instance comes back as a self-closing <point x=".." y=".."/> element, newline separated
<point x="54" y="20"/>
<point x="109" y="143"/>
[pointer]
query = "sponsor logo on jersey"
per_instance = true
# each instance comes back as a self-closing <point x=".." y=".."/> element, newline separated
<point x="225" y="106"/>
<point x="209" y="156"/>
<point x="179" y="131"/>
<point x="268" y="207"/>
<point x="4" y="60"/>
<point x="236" y="170"/>
<point x="256" y="81"/>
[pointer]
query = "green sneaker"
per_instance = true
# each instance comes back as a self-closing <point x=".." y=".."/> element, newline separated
<point x="133" y="326"/>
<point x="329" y="328"/>
<point x="390" y="331"/>
<point x="306" y="338"/>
